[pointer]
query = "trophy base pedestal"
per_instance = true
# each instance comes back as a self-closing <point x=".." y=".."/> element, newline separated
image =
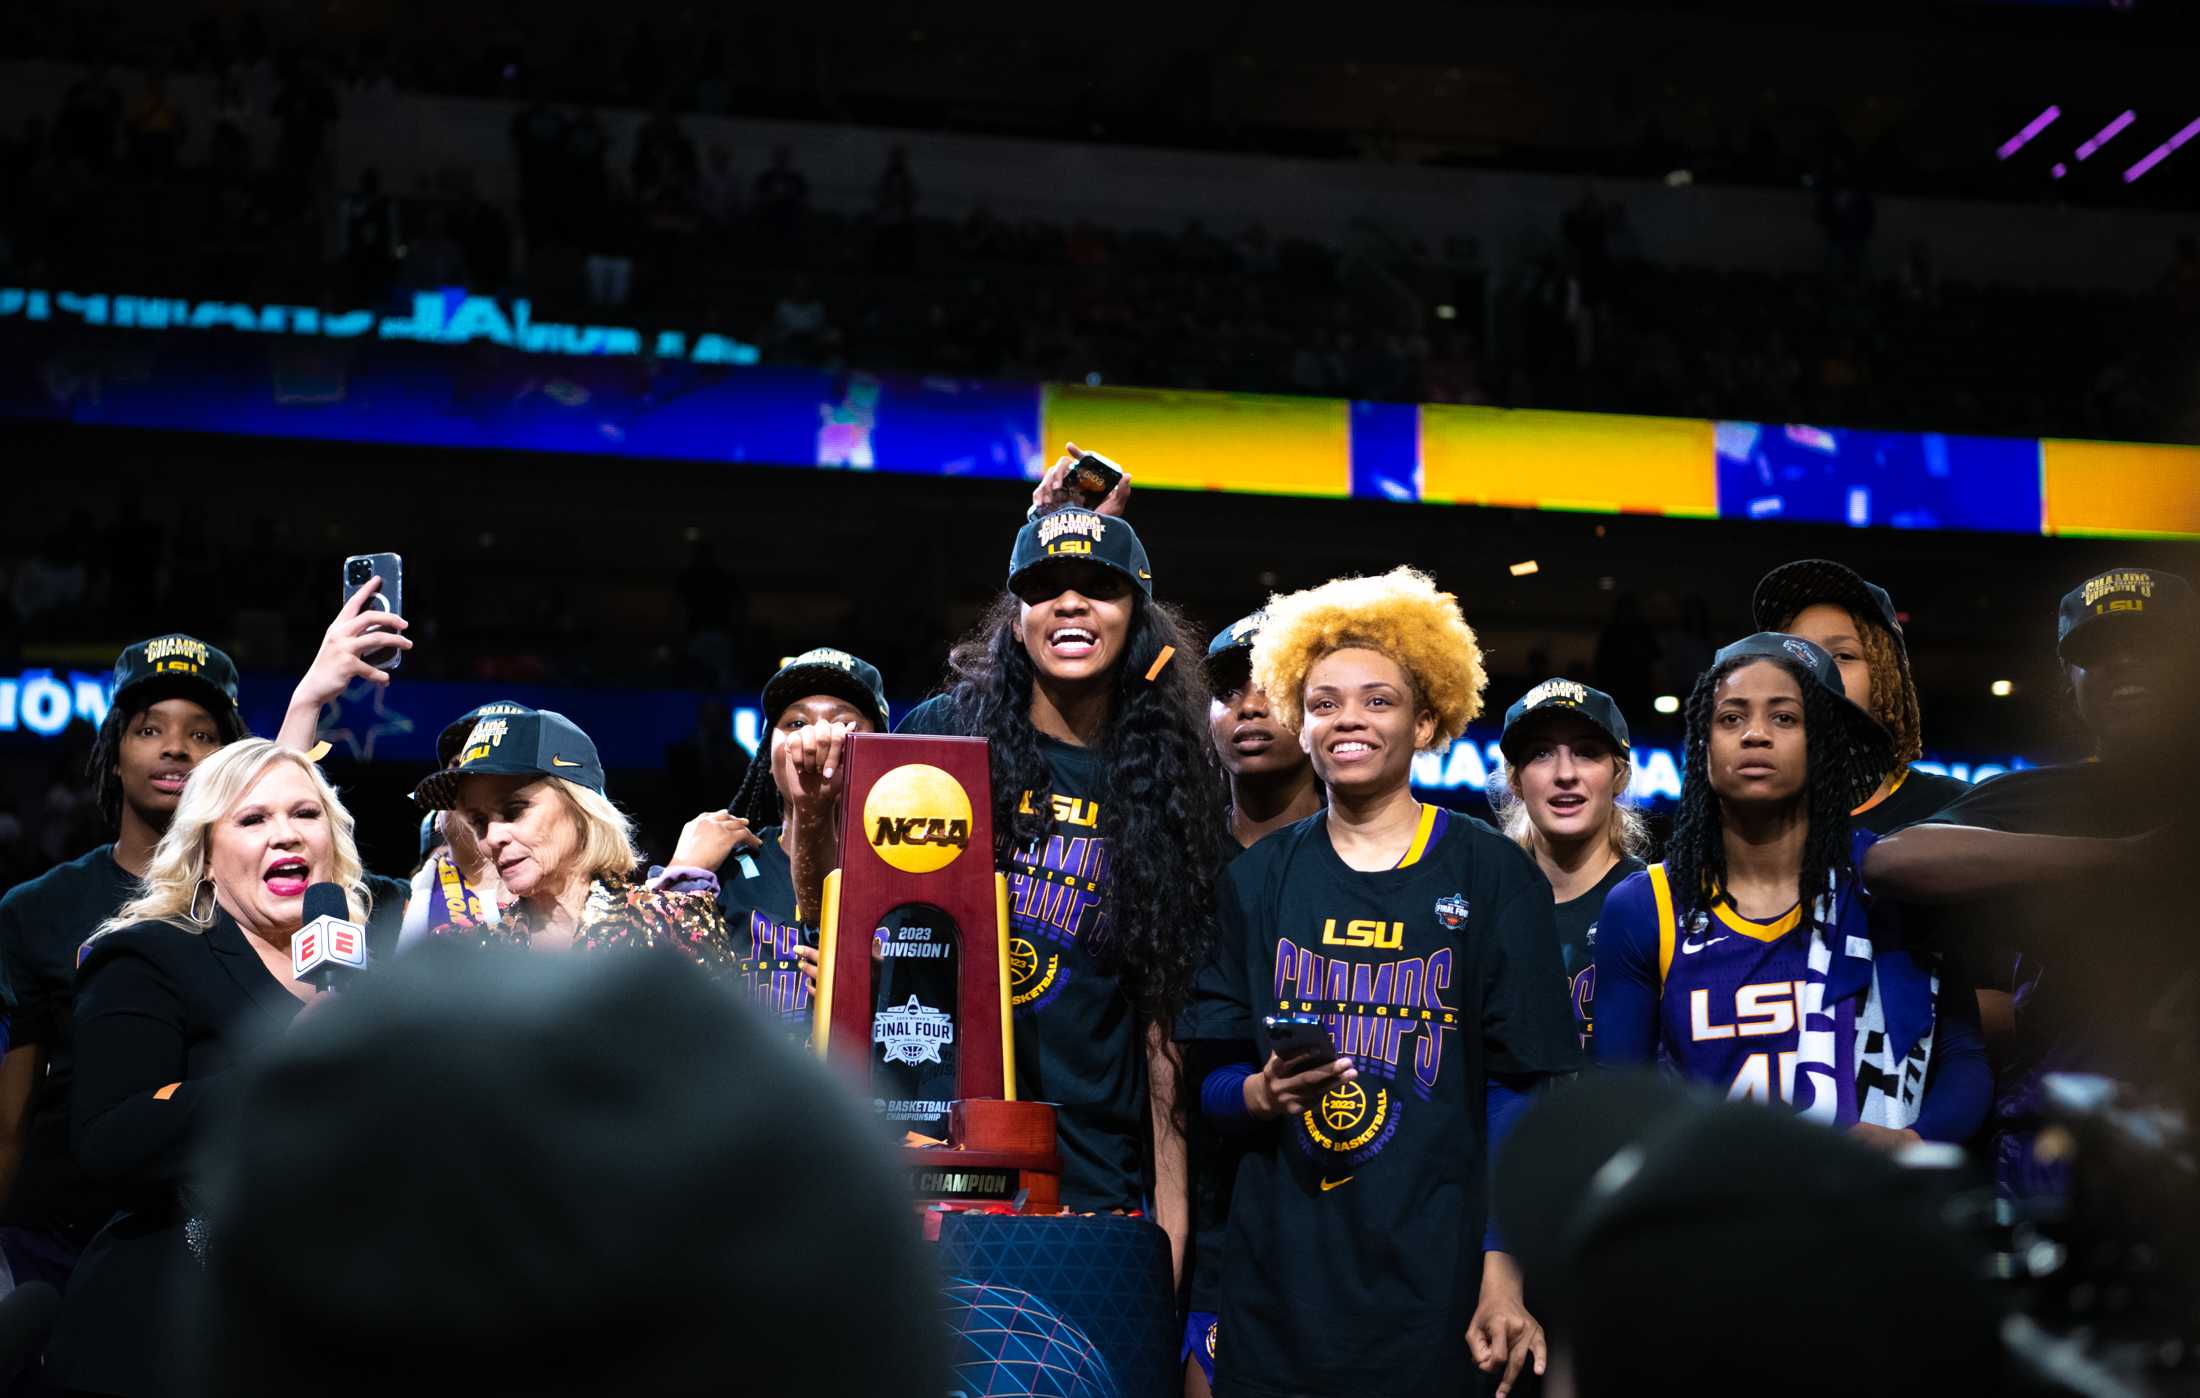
<point x="1000" y="1157"/>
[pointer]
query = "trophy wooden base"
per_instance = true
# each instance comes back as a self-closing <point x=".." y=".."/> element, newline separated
<point x="999" y="1157"/>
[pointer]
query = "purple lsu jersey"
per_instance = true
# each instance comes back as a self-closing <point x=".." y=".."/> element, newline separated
<point x="1743" y="1010"/>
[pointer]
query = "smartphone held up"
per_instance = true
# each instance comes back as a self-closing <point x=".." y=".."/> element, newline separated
<point x="363" y="568"/>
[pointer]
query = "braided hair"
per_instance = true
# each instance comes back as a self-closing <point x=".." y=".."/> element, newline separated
<point x="757" y="801"/>
<point x="1161" y="793"/>
<point x="1695" y="855"/>
<point x="103" y="767"/>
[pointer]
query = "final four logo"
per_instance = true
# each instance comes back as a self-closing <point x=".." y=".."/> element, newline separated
<point x="912" y="1033"/>
<point x="1451" y="910"/>
<point x="1801" y="650"/>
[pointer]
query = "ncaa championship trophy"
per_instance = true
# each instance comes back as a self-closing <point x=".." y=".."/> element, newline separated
<point x="917" y="900"/>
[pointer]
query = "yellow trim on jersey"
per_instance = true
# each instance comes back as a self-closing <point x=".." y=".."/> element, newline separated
<point x="1760" y="931"/>
<point x="1419" y="846"/>
<point x="821" y="1005"/>
<point x="1661" y="890"/>
<point x="1879" y="796"/>
<point x="1008" y="1022"/>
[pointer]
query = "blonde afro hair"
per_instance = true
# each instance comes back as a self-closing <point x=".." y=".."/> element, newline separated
<point x="1400" y="614"/>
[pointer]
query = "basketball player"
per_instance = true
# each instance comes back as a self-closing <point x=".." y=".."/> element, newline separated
<point x="2080" y="866"/>
<point x="1272" y="786"/>
<point x="1750" y="958"/>
<point x="1419" y="949"/>
<point x="1567" y="763"/>
<point x="1854" y="621"/>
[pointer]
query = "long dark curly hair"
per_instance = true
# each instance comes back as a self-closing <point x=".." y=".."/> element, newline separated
<point x="1839" y="774"/>
<point x="1161" y="792"/>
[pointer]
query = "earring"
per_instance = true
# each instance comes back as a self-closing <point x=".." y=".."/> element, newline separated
<point x="206" y="886"/>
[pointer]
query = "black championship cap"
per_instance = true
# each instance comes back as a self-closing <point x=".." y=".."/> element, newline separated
<point x="1230" y="653"/>
<point x="1558" y="696"/>
<point x="827" y="671"/>
<point x="1863" y="730"/>
<point x="1641" y="1208"/>
<point x="1806" y="582"/>
<point x="532" y="743"/>
<point x="179" y="664"/>
<point x="453" y="736"/>
<point x="1081" y="536"/>
<point x="2154" y="600"/>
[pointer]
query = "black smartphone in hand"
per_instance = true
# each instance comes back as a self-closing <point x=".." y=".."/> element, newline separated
<point x="361" y="569"/>
<point x="1300" y="1038"/>
<point x="1093" y="479"/>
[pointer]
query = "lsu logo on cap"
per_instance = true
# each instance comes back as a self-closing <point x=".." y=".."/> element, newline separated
<point x="177" y="655"/>
<point x="487" y="735"/>
<point x="919" y="818"/>
<point x="1556" y="692"/>
<point x="1060" y="533"/>
<point x="2130" y="580"/>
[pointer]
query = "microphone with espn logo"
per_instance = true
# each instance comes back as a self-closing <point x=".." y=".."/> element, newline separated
<point x="330" y="948"/>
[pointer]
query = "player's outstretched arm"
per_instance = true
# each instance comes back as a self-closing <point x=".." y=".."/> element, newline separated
<point x="1957" y="863"/>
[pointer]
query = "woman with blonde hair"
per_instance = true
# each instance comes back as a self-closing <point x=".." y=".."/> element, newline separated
<point x="171" y="993"/>
<point x="1395" y="967"/>
<point x="1558" y="796"/>
<point x="526" y="789"/>
<point x="529" y="788"/>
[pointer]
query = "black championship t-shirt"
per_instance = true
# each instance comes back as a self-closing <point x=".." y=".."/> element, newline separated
<point x="756" y="890"/>
<point x="1078" y="1042"/>
<point x="42" y="924"/>
<point x="1212" y="1157"/>
<point x="1355" y="1241"/>
<point x="2102" y="970"/>
<point x="1916" y="797"/>
<point x="1577" y="944"/>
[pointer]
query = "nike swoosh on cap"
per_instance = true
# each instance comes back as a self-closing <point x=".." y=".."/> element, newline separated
<point x="561" y="762"/>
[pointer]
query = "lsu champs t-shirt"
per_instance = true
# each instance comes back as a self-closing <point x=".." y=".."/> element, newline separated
<point x="1078" y="1041"/>
<point x="1355" y="1242"/>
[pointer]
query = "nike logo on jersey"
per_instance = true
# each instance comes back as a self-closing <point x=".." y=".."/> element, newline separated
<point x="1690" y="946"/>
<point x="1328" y="1185"/>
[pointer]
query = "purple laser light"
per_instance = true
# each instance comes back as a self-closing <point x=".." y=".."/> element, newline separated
<point x="2030" y="129"/>
<point x="2163" y="151"/>
<point x="2106" y="134"/>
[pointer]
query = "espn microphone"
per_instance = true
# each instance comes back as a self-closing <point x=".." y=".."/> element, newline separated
<point x="330" y="948"/>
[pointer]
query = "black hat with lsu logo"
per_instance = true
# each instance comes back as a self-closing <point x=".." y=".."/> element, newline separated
<point x="2153" y="600"/>
<point x="179" y="664"/>
<point x="825" y="670"/>
<point x="1230" y="653"/>
<point x="531" y="743"/>
<point x="1081" y="536"/>
<point x="1789" y="588"/>
<point x="1860" y="728"/>
<point x="1561" y="696"/>
<point x="453" y="736"/>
